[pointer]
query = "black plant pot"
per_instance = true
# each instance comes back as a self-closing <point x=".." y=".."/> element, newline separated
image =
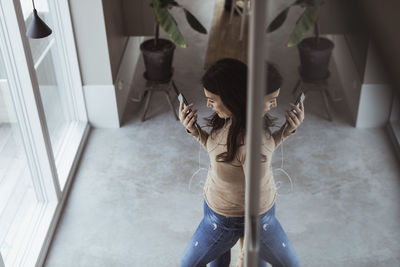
<point x="227" y="5"/>
<point x="314" y="59"/>
<point x="158" y="60"/>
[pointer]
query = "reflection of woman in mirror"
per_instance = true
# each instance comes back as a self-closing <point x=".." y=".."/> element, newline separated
<point x="224" y="192"/>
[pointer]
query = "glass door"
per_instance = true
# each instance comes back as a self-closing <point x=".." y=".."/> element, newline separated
<point x="45" y="54"/>
<point x="58" y="89"/>
<point x="43" y="126"/>
<point x="18" y="201"/>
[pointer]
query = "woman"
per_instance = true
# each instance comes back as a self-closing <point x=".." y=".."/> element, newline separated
<point x="224" y="192"/>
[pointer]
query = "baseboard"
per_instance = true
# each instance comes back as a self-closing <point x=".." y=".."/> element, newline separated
<point x="101" y="106"/>
<point x="374" y="106"/>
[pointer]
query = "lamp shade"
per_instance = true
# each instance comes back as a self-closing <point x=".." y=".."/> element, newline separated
<point x="37" y="28"/>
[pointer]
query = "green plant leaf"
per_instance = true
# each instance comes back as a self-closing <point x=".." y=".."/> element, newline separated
<point x="173" y="3"/>
<point x="302" y="3"/>
<point x="299" y="2"/>
<point x="309" y="3"/>
<point x="305" y="3"/>
<point x="194" y="23"/>
<point x="303" y="25"/>
<point x="278" y="21"/>
<point x="164" y="3"/>
<point x="168" y="23"/>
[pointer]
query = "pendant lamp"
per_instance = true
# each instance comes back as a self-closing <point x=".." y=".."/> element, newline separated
<point x="37" y="28"/>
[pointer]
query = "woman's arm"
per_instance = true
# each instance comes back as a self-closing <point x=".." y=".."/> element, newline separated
<point x="293" y="120"/>
<point x="200" y="135"/>
<point x="281" y="134"/>
<point x="189" y="121"/>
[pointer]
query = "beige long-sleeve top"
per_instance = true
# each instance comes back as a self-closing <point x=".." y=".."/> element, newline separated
<point x="224" y="190"/>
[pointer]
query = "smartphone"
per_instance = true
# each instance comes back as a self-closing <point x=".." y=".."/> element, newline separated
<point x="301" y="96"/>
<point x="185" y="103"/>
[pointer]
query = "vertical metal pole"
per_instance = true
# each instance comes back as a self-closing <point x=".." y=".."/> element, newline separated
<point x="255" y="96"/>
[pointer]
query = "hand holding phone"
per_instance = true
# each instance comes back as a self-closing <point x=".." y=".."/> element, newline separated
<point x="301" y="97"/>
<point x="185" y="103"/>
<point x="189" y="120"/>
<point x="293" y="121"/>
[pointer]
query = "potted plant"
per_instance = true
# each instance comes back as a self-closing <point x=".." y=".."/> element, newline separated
<point x="315" y="52"/>
<point x="158" y="52"/>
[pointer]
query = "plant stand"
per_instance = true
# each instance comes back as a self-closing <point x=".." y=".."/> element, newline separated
<point x="160" y="86"/>
<point x="316" y="85"/>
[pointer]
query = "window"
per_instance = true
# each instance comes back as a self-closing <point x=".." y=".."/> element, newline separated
<point x="57" y="92"/>
<point x="43" y="126"/>
<point x="17" y="196"/>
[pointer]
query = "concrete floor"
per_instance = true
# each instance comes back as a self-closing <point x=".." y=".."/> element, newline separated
<point x="134" y="203"/>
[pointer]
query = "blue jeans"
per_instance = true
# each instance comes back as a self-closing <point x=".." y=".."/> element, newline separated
<point x="217" y="234"/>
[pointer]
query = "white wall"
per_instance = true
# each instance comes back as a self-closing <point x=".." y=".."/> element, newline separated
<point x="138" y="17"/>
<point x="374" y="69"/>
<point x="91" y="41"/>
<point x="116" y="39"/>
<point x="376" y="93"/>
<point x="374" y="106"/>
<point x="101" y="105"/>
<point x="107" y="59"/>
<point x="368" y="98"/>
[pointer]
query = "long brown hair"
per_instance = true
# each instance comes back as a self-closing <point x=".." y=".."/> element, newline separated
<point x="227" y="78"/>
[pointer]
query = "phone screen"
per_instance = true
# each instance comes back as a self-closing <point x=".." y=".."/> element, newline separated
<point x="302" y="96"/>
<point x="185" y="103"/>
